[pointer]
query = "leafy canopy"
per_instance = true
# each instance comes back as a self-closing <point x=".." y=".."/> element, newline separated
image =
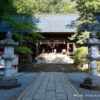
<point x="6" y="7"/>
<point x="11" y="11"/>
<point x="25" y="6"/>
<point x="86" y="8"/>
<point x="55" y="6"/>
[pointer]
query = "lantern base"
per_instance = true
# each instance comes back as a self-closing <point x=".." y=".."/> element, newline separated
<point x="9" y="83"/>
<point x="91" y="83"/>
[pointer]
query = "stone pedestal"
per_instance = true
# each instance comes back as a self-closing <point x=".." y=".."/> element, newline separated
<point x="9" y="83"/>
<point x="91" y="82"/>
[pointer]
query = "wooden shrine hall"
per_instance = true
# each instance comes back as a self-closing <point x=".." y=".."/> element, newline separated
<point x="56" y="29"/>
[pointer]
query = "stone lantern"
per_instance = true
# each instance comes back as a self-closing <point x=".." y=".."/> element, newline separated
<point x="92" y="81"/>
<point x="8" y="81"/>
<point x="93" y="52"/>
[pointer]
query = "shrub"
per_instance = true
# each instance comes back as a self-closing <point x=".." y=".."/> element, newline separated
<point x="23" y="50"/>
<point x="80" y="56"/>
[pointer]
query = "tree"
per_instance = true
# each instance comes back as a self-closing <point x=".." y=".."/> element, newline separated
<point x="25" y="10"/>
<point x="6" y="7"/>
<point x="66" y="6"/>
<point x="24" y="30"/>
<point x="86" y="8"/>
<point x="28" y="7"/>
<point x="55" y="6"/>
<point x="81" y="37"/>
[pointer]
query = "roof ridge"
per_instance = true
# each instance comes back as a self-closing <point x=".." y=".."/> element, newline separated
<point x="57" y="14"/>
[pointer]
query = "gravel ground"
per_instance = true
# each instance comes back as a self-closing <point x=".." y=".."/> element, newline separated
<point x="25" y="79"/>
<point x="76" y="79"/>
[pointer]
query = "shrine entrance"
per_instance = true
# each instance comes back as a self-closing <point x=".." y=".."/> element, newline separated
<point x="57" y="46"/>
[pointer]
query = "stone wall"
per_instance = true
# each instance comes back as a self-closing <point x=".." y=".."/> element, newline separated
<point x="48" y="67"/>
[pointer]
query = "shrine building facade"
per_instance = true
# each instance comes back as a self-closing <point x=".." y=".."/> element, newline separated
<point x="56" y="30"/>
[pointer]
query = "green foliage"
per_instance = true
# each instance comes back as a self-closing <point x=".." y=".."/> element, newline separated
<point x="55" y="6"/>
<point x="80" y="56"/>
<point x="80" y="38"/>
<point x="25" y="30"/>
<point x="98" y="34"/>
<point x="67" y="6"/>
<point x="26" y="39"/>
<point x="21" y="24"/>
<point x="23" y="50"/>
<point x="25" y="6"/>
<point x="83" y="37"/>
<point x="86" y="8"/>
<point x="6" y="8"/>
<point x="12" y="22"/>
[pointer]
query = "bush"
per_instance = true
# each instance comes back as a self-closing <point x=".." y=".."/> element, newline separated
<point x="80" y="56"/>
<point x="23" y="50"/>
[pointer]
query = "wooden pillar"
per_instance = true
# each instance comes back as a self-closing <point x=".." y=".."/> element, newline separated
<point x="68" y="53"/>
<point x="74" y="47"/>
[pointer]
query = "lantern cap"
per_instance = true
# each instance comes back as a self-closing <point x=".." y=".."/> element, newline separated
<point x="8" y="41"/>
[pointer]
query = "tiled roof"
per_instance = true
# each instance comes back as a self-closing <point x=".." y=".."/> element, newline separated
<point x="48" y="23"/>
<point x="57" y="22"/>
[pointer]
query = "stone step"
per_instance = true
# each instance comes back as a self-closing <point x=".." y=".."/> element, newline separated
<point x="49" y="67"/>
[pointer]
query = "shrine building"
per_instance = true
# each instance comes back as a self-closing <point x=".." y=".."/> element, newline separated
<point x="56" y="29"/>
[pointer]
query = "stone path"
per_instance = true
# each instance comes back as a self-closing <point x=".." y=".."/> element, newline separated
<point x="50" y="86"/>
<point x="76" y="79"/>
<point x="25" y="79"/>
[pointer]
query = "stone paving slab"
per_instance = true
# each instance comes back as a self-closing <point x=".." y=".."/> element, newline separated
<point x="76" y="79"/>
<point x="25" y="79"/>
<point x="50" y="86"/>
